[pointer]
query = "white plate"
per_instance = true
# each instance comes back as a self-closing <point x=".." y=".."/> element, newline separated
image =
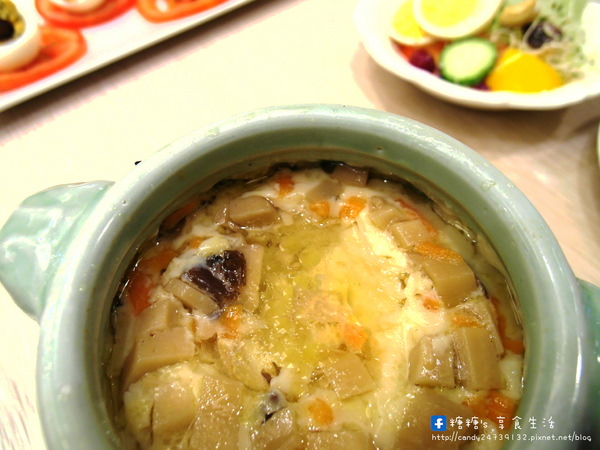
<point x="112" y="41"/>
<point x="598" y="143"/>
<point x="373" y="18"/>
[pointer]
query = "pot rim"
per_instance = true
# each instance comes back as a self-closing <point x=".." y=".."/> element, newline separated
<point x="555" y="376"/>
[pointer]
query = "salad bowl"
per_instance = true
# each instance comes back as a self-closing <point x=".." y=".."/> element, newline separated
<point x="373" y="21"/>
<point x="64" y="252"/>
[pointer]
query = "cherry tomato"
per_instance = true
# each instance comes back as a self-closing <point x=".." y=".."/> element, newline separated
<point x="109" y="10"/>
<point x="60" y="48"/>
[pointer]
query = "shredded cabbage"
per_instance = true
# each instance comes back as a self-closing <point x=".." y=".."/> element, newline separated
<point x="562" y="19"/>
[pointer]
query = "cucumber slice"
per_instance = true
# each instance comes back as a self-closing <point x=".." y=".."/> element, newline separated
<point x="467" y="61"/>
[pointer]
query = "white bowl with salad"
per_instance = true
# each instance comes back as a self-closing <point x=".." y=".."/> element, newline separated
<point x="488" y="54"/>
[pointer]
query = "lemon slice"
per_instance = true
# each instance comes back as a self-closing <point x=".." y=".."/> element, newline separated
<point x="453" y="19"/>
<point x="405" y="29"/>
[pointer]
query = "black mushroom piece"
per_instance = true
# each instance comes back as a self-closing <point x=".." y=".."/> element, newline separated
<point x="221" y="276"/>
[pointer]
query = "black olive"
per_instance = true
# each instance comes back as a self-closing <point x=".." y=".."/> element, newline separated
<point x="542" y="33"/>
<point x="7" y="30"/>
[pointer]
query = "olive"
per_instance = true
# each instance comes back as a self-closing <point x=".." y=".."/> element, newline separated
<point x="7" y="30"/>
<point x="542" y="33"/>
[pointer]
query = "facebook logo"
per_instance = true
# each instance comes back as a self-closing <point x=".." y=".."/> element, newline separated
<point x="438" y="423"/>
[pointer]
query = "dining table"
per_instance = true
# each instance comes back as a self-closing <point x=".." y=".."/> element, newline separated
<point x="99" y="124"/>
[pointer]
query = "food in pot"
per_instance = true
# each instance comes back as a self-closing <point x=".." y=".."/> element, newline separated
<point x="313" y="306"/>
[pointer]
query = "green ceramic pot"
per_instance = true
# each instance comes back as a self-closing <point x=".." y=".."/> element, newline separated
<point x="64" y="251"/>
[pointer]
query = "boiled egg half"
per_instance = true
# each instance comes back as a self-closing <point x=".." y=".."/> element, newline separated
<point x="405" y="29"/>
<point x="78" y="6"/>
<point x="20" y="38"/>
<point x="453" y="19"/>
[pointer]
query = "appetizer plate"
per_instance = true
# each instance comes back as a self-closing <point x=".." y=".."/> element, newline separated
<point x="112" y="41"/>
<point x="373" y="19"/>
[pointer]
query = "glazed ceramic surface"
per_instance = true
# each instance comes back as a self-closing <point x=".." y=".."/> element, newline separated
<point x="75" y="242"/>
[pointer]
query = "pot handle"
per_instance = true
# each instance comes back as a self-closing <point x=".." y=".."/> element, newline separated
<point x="35" y="237"/>
<point x="591" y="303"/>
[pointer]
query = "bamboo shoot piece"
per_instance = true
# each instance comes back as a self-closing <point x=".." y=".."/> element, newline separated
<point x="325" y="189"/>
<point x="383" y="214"/>
<point x="410" y="233"/>
<point x="250" y="293"/>
<point x="454" y="280"/>
<point x="191" y="297"/>
<point x="252" y="211"/>
<point x="416" y="432"/>
<point x="351" y="176"/>
<point x="174" y="408"/>
<point x="431" y="362"/>
<point x="478" y="366"/>
<point x="483" y="311"/>
<point x="217" y="419"/>
<point x="156" y="350"/>
<point x="158" y="316"/>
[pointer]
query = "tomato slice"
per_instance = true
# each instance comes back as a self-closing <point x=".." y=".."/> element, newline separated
<point x="60" y="48"/>
<point x="109" y="10"/>
<point x="154" y="11"/>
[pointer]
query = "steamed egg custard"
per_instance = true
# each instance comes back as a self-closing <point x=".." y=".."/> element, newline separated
<point x="313" y="306"/>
